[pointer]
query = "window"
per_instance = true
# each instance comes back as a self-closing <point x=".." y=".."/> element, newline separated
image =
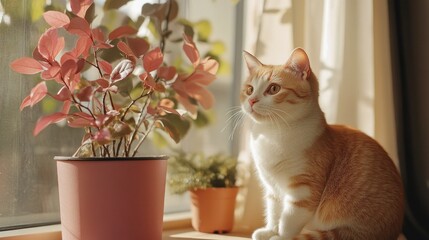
<point x="28" y="184"/>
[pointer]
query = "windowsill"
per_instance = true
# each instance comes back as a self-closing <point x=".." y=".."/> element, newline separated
<point x="176" y="227"/>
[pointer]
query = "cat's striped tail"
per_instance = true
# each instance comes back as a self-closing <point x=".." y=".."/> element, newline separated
<point x="319" y="235"/>
<point x="336" y="234"/>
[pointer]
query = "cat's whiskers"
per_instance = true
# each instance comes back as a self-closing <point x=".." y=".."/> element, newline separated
<point x="236" y="117"/>
<point x="276" y="115"/>
<point x="239" y="119"/>
<point x="268" y="111"/>
<point x="232" y="117"/>
<point x="280" y="116"/>
<point x="232" y="109"/>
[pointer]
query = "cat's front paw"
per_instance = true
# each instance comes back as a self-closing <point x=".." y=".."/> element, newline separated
<point x="263" y="234"/>
<point x="278" y="238"/>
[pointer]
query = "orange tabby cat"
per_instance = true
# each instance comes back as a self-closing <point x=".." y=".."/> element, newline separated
<point x="321" y="181"/>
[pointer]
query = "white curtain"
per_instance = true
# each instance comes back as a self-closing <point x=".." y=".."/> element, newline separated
<point x="348" y="45"/>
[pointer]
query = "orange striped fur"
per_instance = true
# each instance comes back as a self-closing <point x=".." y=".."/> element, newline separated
<point x="321" y="181"/>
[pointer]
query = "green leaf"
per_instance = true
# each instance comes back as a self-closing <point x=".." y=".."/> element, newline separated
<point x="224" y="68"/>
<point x="152" y="28"/>
<point x="90" y="13"/>
<point x="159" y="140"/>
<point x="125" y="86"/>
<point x="114" y="4"/>
<point x="136" y="92"/>
<point x="189" y="31"/>
<point x="204" y="30"/>
<point x="175" y="126"/>
<point x="49" y="105"/>
<point x="37" y="9"/>
<point x="135" y="109"/>
<point x="202" y="119"/>
<point x="120" y="129"/>
<point x="218" y="48"/>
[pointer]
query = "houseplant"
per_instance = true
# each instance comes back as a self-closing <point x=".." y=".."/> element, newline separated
<point x="211" y="182"/>
<point x="118" y="87"/>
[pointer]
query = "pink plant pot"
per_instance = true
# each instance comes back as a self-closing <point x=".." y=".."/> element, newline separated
<point x="111" y="199"/>
<point x="213" y="209"/>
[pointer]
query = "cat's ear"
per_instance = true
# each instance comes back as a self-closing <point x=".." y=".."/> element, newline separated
<point x="299" y="63"/>
<point x="251" y="61"/>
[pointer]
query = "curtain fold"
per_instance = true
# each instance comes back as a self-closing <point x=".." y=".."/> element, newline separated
<point x="348" y="45"/>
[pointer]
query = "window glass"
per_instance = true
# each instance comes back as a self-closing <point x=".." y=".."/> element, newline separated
<point x="28" y="181"/>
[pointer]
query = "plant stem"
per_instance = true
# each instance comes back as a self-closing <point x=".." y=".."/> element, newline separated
<point x="140" y="120"/>
<point x="142" y="140"/>
<point x="164" y="31"/>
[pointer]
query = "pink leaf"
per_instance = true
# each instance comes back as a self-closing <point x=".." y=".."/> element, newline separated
<point x="66" y="107"/>
<point x="105" y="66"/>
<point x="167" y="73"/>
<point x="37" y="56"/>
<point x="143" y="76"/>
<point x="201" y="77"/>
<point x="79" y="26"/>
<point x="122" y="70"/>
<point x="83" y="115"/>
<point x="169" y="110"/>
<point x="62" y="95"/>
<point x="152" y="60"/>
<point x="68" y="56"/>
<point x="26" y="65"/>
<point x="122" y="31"/>
<point x="103" y="136"/>
<point x="76" y="122"/>
<point x="83" y="45"/>
<point x="45" y="121"/>
<point x="56" y="19"/>
<point x="149" y="82"/>
<point x="139" y="46"/>
<point x="103" y="120"/>
<point x="85" y="94"/>
<point x="25" y="103"/>
<point x="68" y="72"/>
<point x="50" y="44"/>
<point x="38" y="93"/>
<point x="190" y="50"/>
<point x="209" y="65"/>
<point x="98" y="34"/>
<point x="167" y="105"/>
<point x="102" y="45"/>
<point x="103" y="83"/>
<point x="75" y="6"/>
<point x="80" y="65"/>
<point x="79" y="7"/>
<point x="124" y="48"/>
<point x="51" y="72"/>
<point x="202" y="95"/>
<point x="59" y="46"/>
<point x="192" y="108"/>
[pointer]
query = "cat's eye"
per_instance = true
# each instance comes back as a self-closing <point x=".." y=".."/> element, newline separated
<point x="249" y="90"/>
<point x="273" y="89"/>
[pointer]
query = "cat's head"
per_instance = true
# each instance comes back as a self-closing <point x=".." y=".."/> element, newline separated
<point x="285" y="92"/>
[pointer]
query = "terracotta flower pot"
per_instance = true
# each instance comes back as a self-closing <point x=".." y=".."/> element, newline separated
<point x="213" y="209"/>
<point x="111" y="198"/>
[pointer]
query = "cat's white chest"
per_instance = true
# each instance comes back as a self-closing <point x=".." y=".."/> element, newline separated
<point x="272" y="145"/>
<point x="280" y="153"/>
<point x="275" y="155"/>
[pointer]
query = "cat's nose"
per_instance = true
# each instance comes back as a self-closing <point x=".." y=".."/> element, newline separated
<point x="252" y="101"/>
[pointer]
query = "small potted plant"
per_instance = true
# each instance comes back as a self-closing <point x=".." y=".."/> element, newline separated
<point x="118" y="87"/>
<point x="211" y="182"/>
